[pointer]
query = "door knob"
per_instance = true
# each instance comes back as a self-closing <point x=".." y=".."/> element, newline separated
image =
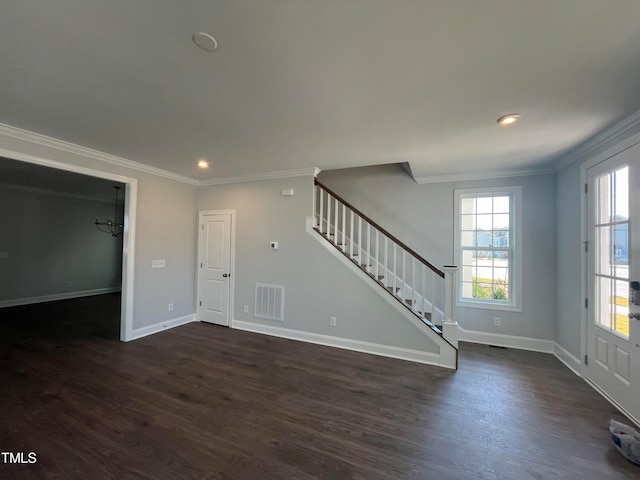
<point x="225" y="275"/>
<point x="635" y="315"/>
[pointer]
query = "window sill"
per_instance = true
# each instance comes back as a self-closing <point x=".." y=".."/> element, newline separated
<point x="489" y="306"/>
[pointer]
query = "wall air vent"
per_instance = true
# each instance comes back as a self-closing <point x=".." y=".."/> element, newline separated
<point x="269" y="302"/>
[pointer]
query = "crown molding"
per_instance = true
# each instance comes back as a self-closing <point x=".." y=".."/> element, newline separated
<point x="255" y="177"/>
<point x="32" y="137"/>
<point x="600" y="139"/>
<point x="51" y="142"/>
<point x="490" y="175"/>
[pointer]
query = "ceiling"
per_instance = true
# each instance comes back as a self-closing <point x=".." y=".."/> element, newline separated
<point x="321" y="83"/>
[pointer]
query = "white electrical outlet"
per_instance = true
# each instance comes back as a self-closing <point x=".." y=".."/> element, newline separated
<point x="332" y="321"/>
<point x="170" y="307"/>
<point x="246" y="309"/>
<point x="496" y="321"/>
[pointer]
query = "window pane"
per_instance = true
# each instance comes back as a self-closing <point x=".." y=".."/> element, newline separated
<point x="484" y="204"/>
<point x="484" y="222"/>
<point x="621" y="249"/>
<point x="468" y="273"/>
<point x="605" y="309"/>
<point x="501" y="255"/>
<point x="483" y="239"/>
<point x="482" y="289"/>
<point x="467" y="238"/>
<point x="468" y="222"/>
<point x="500" y="239"/>
<point x="604" y="255"/>
<point x="621" y="195"/>
<point x="501" y="221"/>
<point x="604" y="204"/>
<point x="500" y="204"/>
<point x="468" y="257"/>
<point x="500" y="275"/>
<point x="500" y="292"/>
<point x="467" y="205"/>
<point x="467" y="289"/>
<point x="621" y="301"/>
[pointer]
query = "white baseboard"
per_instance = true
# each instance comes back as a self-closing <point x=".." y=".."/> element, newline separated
<point x="57" y="296"/>
<point x="509" y="341"/>
<point x="613" y="402"/>
<point x="160" y="327"/>
<point x="428" y="358"/>
<point x="569" y="359"/>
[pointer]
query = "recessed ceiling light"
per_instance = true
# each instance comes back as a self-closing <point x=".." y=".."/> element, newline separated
<point x="509" y="119"/>
<point x="203" y="164"/>
<point x="205" y="41"/>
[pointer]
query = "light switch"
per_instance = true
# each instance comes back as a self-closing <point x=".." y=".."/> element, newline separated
<point x="288" y="192"/>
<point x="160" y="263"/>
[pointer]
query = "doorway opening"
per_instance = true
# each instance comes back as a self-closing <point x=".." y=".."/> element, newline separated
<point x="72" y="266"/>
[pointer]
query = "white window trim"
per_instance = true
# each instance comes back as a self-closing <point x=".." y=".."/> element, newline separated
<point x="515" y="238"/>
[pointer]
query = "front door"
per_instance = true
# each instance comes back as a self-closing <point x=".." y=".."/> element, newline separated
<point x="613" y="332"/>
<point x="214" y="268"/>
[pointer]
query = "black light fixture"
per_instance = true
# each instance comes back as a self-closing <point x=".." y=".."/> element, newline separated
<point x="111" y="226"/>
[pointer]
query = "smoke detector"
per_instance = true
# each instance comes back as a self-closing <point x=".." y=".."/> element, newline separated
<point x="205" y="41"/>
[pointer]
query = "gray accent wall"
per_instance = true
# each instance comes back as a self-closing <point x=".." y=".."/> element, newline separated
<point x="317" y="285"/>
<point x="423" y="217"/>
<point x="49" y="245"/>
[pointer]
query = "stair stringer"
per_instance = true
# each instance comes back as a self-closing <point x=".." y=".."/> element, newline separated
<point x="448" y="356"/>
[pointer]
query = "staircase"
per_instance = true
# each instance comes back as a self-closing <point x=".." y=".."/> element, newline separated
<point x="422" y="289"/>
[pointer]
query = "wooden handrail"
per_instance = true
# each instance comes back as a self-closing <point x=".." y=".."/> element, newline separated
<point x="382" y="230"/>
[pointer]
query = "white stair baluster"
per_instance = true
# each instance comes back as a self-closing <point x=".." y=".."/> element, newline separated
<point x="395" y="267"/>
<point x="359" y="239"/>
<point x="423" y="290"/>
<point x="344" y="223"/>
<point x="368" y="246"/>
<point x="328" y="216"/>
<point x="404" y="274"/>
<point x="336" y="238"/>
<point x="377" y="259"/>
<point x="320" y="220"/>
<point x="414" y="297"/>
<point x="351" y="239"/>
<point x="386" y="260"/>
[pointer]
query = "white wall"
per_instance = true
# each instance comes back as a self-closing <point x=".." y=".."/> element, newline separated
<point x="422" y="217"/>
<point x="166" y="228"/>
<point x="52" y="246"/>
<point x="317" y="285"/>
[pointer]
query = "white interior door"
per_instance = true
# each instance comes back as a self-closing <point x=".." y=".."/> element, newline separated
<point x="613" y="332"/>
<point x="214" y="268"/>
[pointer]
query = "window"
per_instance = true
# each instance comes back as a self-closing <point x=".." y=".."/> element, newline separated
<point x="611" y="269"/>
<point x="488" y="247"/>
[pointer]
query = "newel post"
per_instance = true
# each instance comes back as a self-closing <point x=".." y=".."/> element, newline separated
<point x="450" y="325"/>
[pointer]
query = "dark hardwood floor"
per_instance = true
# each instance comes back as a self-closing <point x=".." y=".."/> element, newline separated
<point x="207" y="402"/>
